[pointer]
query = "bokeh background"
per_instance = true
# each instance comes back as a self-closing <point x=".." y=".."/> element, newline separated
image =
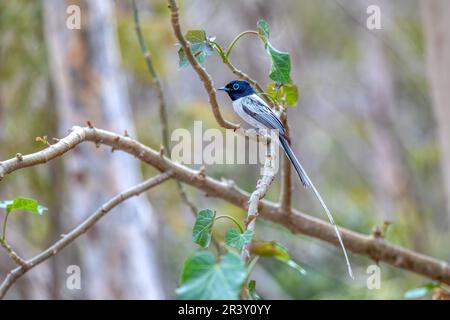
<point x="372" y="128"/>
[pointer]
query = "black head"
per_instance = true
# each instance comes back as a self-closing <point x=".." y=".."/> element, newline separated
<point x="237" y="89"/>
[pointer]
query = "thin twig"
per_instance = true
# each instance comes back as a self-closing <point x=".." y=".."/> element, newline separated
<point x="299" y="223"/>
<point x="235" y="40"/>
<point x="242" y="75"/>
<point x="155" y="78"/>
<point x="286" y="179"/>
<point x="82" y="228"/>
<point x="201" y="72"/>
<point x="162" y="102"/>
<point x="12" y="254"/>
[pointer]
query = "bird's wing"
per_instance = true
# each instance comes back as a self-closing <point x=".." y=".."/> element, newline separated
<point x="260" y="111"/>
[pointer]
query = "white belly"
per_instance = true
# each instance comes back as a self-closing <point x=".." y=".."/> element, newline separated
<point x="237" y="106"/>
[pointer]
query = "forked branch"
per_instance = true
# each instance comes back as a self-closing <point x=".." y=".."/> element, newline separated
<point x="26" y="265"/>
<point x="299" y="223"/>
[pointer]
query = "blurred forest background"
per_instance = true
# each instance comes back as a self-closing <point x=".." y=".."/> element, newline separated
<point x="372" y="127"/>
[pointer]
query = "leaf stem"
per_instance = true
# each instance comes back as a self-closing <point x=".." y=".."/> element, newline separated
<point x="240" y="35"/>
<point x="5" y="221"/>
<point x="219" y="50"/>
<point x="232" y="219"/>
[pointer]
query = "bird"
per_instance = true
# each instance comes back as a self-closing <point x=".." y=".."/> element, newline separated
<point x="255" y="111"/>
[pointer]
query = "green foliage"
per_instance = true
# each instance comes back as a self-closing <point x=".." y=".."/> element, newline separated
<point x="43" y="140"/>
<point x="283" y="93"/>
<point x="291" y="94"/>
<point x="252" y="290"/>
<point x="22" y="204"/>
<point x="280" y="68"/>
<point x="236" y="239"/>
<point x="263" y="30"/>
<point x="202" y="231"/>
<point x="200" y="46"/>
<point x="205" y="278"/>
<point x="277" y="251"/>
<point x="421" y="291"/>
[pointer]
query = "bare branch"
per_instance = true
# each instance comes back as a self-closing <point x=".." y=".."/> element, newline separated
<point x="151" y="69"/>
<point x="12" y="254"/>
<point x="261" y="189"/>
<point x="162" y="102"/>
<point x="295" y="221"/>
<point x="286" y="179"/>
<point x="201" y="72"/>
<point x="242" y="75"/>
<point x="67" y="239"/>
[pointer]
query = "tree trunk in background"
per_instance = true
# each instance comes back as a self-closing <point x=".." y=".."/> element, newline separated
<point x="436" y="23"/>
<point x="117" y="257"/>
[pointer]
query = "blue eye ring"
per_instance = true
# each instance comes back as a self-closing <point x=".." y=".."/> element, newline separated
<point x="236" y="86"/>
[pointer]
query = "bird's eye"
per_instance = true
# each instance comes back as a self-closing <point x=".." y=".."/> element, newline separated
<point x="236" y="86"/>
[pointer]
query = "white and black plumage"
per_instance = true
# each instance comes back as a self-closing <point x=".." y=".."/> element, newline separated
<point x="253" y="110"/>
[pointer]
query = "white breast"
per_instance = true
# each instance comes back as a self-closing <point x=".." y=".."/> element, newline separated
<point x="237" y="106"/>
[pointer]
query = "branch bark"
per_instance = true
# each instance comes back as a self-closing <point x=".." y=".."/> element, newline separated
<point x="201" y="72"/>
<point x="286" y="178"/>
<point x="162" y="102"/>
<point x="299" y="223"/>
<point x="261" y="189"/>
<point x="67" y="239"/>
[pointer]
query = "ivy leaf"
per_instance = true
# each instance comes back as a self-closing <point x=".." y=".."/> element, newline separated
<point x="421" y="291"/>
<point x="290" y="94"/>
<point x="287" y="92"/>
<point x="204" y="278"/>
<point x="280" y="68"/>
<point x="263" y="30"/>
<point x="274" y="90"/>
<point x="277" y="251"/>
<point x="234" y="238"/>
<point x="23" y="204"/>
<point x="200" y="47"/>
<point x="202" y="231"/>
<point x="252" y="290"/>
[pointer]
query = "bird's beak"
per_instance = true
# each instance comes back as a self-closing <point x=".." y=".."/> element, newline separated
<point x="223" y="89"/>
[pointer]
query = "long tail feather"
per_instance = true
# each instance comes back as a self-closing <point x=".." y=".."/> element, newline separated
<point x="306" y="181"/>
<point x="297" y="166"/>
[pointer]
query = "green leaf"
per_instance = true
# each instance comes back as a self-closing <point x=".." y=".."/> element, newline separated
<point x="200" y="47"/>
<point x="252" y="290"/>
<point x="283" y="92"/>
<point x="234" y="238"/>
<point x="202" y="231"/>
<point x="290" y="94"/>
<point x="196" y="36"/>
<point x="274" y="90"/>
<point x="277" y="251"/>
<point x="204" y="278"/>
<point x="183" y="61"/>
<point x="280" y="68"/>
<point x="263" y="30"/>
<point x="23" y="204"/>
